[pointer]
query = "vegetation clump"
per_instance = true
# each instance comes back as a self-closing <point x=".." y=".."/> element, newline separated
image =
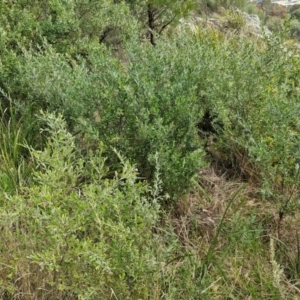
<point x="145" y="157"/>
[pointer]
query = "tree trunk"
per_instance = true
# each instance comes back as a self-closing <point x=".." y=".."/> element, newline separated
<point x="151" y="23"/>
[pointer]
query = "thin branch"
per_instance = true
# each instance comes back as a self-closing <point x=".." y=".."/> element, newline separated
<point x="156" y="16"/>
<point x="167" y="24"/>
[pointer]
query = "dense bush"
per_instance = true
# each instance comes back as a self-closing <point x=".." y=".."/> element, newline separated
<point x="275" y="24"/>
<point x="296" y="14"/>
<point x="258" y="88"/>
<point x="294" y="7"/>
<point x="295" y="29"/>
<point x="148" y="106"/>
<point x="82" y="194"/>
<point x="147" y="110"/>
<point x="76" y="234"/>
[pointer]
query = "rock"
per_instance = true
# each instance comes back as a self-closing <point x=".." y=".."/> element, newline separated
<point x="254" y="26"/>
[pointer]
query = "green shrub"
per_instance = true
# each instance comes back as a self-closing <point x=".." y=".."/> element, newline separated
<point x="296" y="14"/>
<point x="81" y="209"/>
<point x="154" y="113"/>
<point x="148" y="105"/>
<point x="69" y="236"/>
<point x="293" y="8"/>
<point x="295" y="29"/>
<point x="235" y="19"/>
<point x="259" y="91"/>
<point x="251" y="9"/>
<point x="275" y="24"/>
<point x="147" y="109"/>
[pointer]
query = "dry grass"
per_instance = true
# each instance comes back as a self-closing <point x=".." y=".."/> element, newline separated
<point x="255" y="264"/>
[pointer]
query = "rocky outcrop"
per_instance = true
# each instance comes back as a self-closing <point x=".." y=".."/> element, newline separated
<point x="250" y="25"/>
<point x="253" y="25"/>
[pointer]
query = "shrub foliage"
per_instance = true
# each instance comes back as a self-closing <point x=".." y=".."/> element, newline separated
<point x="107" y="122"/>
